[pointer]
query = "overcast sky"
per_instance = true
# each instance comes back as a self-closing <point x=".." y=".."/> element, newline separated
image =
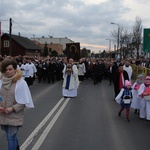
<point x="84" y="21"/>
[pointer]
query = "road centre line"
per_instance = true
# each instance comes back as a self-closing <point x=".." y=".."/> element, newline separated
<point x="49" y="127"/>
<point x="38" y="128"/>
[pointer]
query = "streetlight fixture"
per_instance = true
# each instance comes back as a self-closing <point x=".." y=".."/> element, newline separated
<point x="117" y="35"/>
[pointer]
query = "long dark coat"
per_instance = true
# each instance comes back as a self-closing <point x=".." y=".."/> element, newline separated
<point x="116" y="81"/>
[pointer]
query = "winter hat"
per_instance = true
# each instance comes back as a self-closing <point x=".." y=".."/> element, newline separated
<point x="141" y="76"/>
<point x="148" y="78"/>
<point x="121" y="64"/>
<point x="127" y="83"/>
<point x="140" y="79"/>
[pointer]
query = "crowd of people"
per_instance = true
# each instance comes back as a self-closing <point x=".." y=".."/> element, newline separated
<point x="18" y="73"/>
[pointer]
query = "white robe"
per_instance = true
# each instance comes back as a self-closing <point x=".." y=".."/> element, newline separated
<point x="74" y="82"/>
<point x="147" y="104"/>
<point x="129" y="71"/>
<point x="143" y="112"/>
<point x="22" y="93"/>
<point x="118" y="97"/>
<point x="136" y="98"/>
<point x="81" y="69"/>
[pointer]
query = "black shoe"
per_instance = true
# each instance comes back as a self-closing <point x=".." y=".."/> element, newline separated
<point x="18" y="148"/>
<point x="127" y="120"/>
<point x="135" y="111"/>
<point x="119" y="113"/>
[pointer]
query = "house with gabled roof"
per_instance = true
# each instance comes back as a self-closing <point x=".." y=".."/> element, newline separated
<point x="19" y="46"/>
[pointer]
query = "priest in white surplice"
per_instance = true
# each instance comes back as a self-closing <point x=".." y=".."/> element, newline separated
<point x="71" y="81"/>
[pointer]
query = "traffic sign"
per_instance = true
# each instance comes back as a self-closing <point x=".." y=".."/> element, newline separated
<point x="146" y="40"/>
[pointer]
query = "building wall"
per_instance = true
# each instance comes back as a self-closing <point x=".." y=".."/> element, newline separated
<point x="51" y="40"/>
<point x="57" y="47"/>
<point x="15" y="48"/>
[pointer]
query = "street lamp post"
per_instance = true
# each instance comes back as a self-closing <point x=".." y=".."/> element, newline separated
<point x="118" y="38"/>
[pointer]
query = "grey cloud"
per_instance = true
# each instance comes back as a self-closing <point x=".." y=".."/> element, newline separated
<point x="51" y="17"/>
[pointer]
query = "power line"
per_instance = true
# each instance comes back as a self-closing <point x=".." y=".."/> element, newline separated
<point x="22" y="27"/>
<point x="3" y="20"/>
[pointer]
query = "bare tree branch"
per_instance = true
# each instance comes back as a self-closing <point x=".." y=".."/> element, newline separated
<point x="137" y="34"/>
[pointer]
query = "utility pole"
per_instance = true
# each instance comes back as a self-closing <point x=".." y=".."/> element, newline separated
<point x="10" y="30"/>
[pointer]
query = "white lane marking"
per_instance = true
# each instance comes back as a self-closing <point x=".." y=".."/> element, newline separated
<point x="38" y="128"/>
<point x="49" y="127"/>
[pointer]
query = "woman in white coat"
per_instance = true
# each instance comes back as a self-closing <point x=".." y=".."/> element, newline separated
<point x="136" y="98"/>
<point x="144" y="92"/>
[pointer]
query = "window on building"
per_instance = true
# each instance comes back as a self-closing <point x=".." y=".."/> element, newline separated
<point x="6" y="43"/>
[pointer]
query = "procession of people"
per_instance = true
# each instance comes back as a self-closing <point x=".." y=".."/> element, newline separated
<point x="118" y="73"/>
<point x="17" y="74"/>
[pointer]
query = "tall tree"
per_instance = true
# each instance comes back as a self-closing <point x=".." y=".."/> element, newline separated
<point x="45" y="51"/>
<point x="137" y="34"/>
<point x="54" y="53"/>
<point x="125" y="42"/>
<point x="84" y="52"/>
<point x="118" y="34"/>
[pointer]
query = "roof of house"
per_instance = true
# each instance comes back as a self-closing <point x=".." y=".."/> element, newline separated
<point x="25" y="42"/>
<point x="52" y="40"/>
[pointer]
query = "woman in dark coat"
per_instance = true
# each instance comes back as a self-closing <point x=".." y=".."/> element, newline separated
<point x="96" y="72"/>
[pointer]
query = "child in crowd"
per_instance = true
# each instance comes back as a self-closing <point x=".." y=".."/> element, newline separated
<point x="136" y="98"/>
<point x="124" y="99"/>
<point x="144" y="92"/>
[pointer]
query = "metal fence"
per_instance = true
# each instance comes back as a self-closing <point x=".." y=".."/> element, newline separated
<point x="139" y="70"/>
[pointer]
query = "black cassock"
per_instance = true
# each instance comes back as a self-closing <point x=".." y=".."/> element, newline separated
<point x="116" y="81"/>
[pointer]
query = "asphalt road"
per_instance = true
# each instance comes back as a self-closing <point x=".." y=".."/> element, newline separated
<point x="87" y="122"/>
